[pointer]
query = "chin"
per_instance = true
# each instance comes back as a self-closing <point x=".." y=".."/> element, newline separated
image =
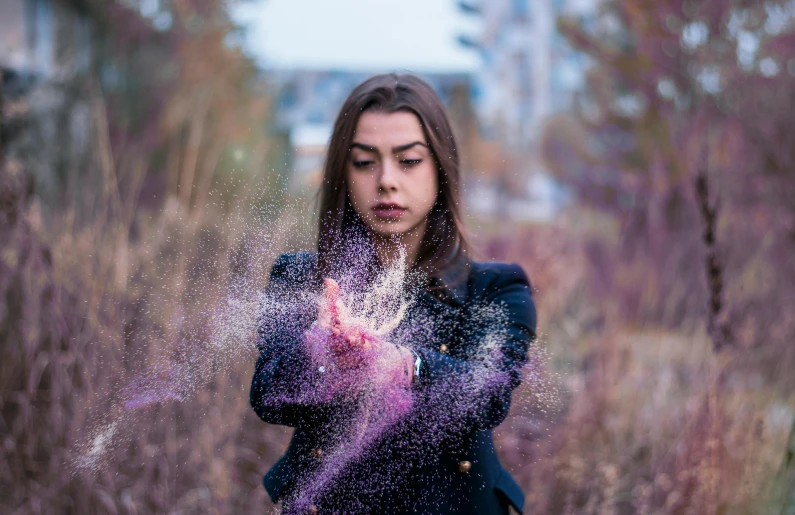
<point x="390" y="228"/>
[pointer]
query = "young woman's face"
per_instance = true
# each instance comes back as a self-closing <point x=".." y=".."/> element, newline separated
<point x="391" y="174"/>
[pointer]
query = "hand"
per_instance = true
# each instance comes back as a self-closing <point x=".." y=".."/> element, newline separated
<point x="352" y="345"/>
<point x="349" y="343"/>
<point x="400" y="361"/>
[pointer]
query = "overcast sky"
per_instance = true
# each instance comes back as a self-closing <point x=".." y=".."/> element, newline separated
<point x="369" y="35"/>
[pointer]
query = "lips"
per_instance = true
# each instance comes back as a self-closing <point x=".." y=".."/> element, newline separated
<point x="388" y="210"/>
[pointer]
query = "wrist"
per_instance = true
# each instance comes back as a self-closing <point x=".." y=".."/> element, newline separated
<point x="416" y="365"/>
<point x="404" y="363"/>
<point x="408" y="362"/>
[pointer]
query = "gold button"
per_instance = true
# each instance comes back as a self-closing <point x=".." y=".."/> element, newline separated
<point x="317" y="453"/>
<point x="464" y="466"/>
<point x="443" y="348"/>
<point x="312" y="510"/>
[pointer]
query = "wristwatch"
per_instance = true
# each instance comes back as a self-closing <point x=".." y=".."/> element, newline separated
<point x="417" y="364"/>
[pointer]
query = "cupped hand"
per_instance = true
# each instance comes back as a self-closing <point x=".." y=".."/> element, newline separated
<point x="352" y="345"/>
<point x="349" y="342"/>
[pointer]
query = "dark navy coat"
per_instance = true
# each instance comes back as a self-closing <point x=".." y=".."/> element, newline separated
<point x="441" y="458"/>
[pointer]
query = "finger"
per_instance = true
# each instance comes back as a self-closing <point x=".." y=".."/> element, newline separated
<point x="323" y="318"/>
<point x="331" y="290"/>
<point x="325" y="315"/>
<point x="363" y="340"/>
<point x="334" y="305"/>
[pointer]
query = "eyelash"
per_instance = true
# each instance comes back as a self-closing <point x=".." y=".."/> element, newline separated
<point x="406" y="162"/>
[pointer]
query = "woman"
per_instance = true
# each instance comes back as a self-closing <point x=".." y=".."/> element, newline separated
<point x="394" y="420"/>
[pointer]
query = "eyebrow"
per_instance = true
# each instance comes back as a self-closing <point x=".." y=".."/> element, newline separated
<point x="395" y="150"/>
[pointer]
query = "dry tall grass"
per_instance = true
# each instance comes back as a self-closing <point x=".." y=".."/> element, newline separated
<point x="649" y="421"/>
<point x="86" y="309"/>
<point x="646" y="420"/>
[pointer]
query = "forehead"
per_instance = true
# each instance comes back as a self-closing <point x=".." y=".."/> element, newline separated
<point x="379" y="129"/>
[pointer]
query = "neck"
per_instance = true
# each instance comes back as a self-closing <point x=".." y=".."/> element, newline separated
<point x="388" y="248"/>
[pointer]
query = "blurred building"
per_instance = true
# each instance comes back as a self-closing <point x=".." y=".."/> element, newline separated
<point x="43" y="40"/>
<point x="54" y="62"/>
<point x="44" y="45"/>
<point x="308" y="144"/>
<point x="528" y="70"/>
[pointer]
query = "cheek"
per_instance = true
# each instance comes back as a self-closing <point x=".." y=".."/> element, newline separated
<point x="427" y="189"/>
<point x="359" y="190"/>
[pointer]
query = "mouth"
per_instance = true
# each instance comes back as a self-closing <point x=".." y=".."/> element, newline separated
<point x="388" y="210"/>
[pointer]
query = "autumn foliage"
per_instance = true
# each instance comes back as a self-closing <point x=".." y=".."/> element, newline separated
<point x="665" y="292"/>
<point x="681" y="151"/>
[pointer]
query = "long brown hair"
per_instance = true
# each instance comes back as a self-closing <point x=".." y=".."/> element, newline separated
<point x="339" y="224"/>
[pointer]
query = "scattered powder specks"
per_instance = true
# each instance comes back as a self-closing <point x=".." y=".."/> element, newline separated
<point x="377" y="412"/>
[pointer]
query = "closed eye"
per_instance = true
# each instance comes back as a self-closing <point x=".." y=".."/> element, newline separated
<point x="362" y="164"/>
<point x="411" y="162"/>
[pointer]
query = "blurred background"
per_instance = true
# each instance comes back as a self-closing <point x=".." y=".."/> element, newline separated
<point x="636" y="157"/>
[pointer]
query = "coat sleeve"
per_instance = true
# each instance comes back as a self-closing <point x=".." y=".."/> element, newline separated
<point x="284" y="383"/>
<point x="473" y="389"/>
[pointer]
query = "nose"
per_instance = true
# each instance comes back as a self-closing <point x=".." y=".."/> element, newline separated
<point x="387" y="181"/>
